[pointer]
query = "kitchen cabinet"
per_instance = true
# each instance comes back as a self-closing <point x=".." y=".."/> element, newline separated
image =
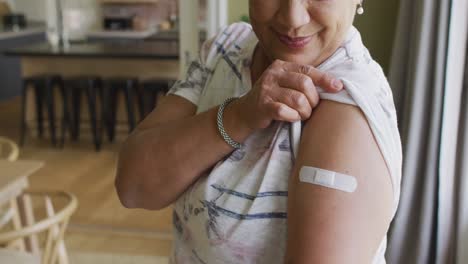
<point x="10" y="67"/>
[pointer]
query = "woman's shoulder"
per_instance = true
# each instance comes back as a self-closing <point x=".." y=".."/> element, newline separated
<point x="365" y="82"/>
<point x="353" y="62"/>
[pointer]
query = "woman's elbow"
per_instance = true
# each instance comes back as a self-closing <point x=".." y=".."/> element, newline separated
<point x="128" y="178"/>
<point x="135" y="189"/>
<point x="135" y="196"/>
<point x="125" y="192"/>
<point x="138" y="180"/>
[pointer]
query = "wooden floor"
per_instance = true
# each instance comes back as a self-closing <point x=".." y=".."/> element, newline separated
<point x="100" y="224"/>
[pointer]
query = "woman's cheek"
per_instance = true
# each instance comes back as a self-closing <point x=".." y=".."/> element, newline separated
<point x="263" y="10"/>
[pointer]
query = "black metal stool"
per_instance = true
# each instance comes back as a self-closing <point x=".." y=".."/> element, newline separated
<point x="92" y="87"/>
<point x="150" y="90"/>
<point x="44" y="89"/>
<point x="112" y="87"/>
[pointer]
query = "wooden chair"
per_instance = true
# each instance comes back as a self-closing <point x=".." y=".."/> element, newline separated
<point x="40" y="241"/>
<point x="8" y="149"/>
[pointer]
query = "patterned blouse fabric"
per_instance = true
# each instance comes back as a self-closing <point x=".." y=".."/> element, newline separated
<point x="237" y="212"/>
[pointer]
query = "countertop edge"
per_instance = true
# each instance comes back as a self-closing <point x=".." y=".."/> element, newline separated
<point x="21" y="33"/>
<point x="92" y="56"/>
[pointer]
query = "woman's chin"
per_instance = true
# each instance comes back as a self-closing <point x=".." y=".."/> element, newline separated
<point x="304" y="58"/>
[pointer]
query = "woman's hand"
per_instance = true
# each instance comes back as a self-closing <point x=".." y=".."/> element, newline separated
<point x="285" y="92"/>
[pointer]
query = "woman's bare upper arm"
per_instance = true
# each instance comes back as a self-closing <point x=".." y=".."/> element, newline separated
<point x="331" y="226"/>
<point x="169" y="108"/>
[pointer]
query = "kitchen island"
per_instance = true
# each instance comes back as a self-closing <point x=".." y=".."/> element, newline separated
<point x="142" y="60"/>
<point x="156" y="59"/>
<point x="30" y="30"/>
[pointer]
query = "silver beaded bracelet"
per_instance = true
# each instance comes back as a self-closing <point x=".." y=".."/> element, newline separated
<point x="221" y="130"/>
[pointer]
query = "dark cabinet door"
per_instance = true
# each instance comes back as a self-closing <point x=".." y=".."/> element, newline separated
<point x="10" y="67"/>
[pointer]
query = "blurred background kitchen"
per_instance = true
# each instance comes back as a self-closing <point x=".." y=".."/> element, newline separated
<point x="76" y="76"/>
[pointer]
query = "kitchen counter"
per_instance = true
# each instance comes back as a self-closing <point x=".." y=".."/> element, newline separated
<point x="160" y="50"/>
<point x="172" y="35"/>
<point x="155" y="59"/>
<point x="142" y="60"/>
<point x="31" y="29"/>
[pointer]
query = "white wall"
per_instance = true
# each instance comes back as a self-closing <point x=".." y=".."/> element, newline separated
<point x="238" y="8"/>
<point x="217" y="16"/>
<point x="33" y="9"/>
<point x="9" y="2"/>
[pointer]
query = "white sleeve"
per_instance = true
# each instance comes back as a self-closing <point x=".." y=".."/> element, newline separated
<point x="341" y="97"/>
<point x="196" y="77"/>
<point x="191" y="87"/>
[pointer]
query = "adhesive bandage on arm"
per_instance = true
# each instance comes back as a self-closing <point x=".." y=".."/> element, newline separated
<point x="329" y="179"/>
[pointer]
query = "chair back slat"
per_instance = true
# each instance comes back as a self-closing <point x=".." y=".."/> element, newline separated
<point x="56" y="231"/>
<point x="16" y="221"/>
<point x="8" y="149"/>
<point x="28" y="218"/>
<point x="46" y="255"/>
<point x="59" y="252"/>
<point x="6" y="216"/>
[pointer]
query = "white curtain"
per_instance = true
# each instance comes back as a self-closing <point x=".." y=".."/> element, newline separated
<point x="461" y="186"/>
<point x="428" y="64"/>
<point x="453" y="135"/>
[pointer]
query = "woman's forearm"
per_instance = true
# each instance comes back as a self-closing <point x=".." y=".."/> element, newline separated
<point x="157" y="164"/>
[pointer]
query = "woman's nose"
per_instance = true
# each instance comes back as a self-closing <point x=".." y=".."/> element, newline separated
<point x="293" y="14"/>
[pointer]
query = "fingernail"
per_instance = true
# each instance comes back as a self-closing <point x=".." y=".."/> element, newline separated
<point x="337" y="84"/>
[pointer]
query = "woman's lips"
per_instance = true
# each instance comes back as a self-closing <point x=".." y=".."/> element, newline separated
<point x="296" y="42"/>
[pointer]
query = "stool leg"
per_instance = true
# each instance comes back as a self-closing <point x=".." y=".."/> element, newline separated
<point x="129" y="98"/>
<point x="23" y="112"/>
<point x="102" y="111"/>
<point x="91" y="95"/>
<point x="105" y="112"/>
<point x="39" y="97"/>
<point x="51" y="111"/>
<point x="141" y="103"/>
<point x="65" y="113"/>
<point x="76" y="112"/>
<point x="112" y="112"/>
<point x="154" y="99"/>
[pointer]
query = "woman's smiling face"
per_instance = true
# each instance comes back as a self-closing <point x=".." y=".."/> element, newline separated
<point x="301" y="31"/>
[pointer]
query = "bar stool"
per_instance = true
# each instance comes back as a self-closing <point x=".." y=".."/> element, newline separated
<point x="112" y="87"/>
<point x="92" y="87"/>
<point x="44" y="90"/>
<point x="150" y="90"/>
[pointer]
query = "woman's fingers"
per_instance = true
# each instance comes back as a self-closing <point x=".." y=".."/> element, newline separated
<point x="301" y="83"/>
<point x="282" y="112"/>
<point x="320" y="78"/>
<point x="287" y="92"/>
<point x="295" y="100"/>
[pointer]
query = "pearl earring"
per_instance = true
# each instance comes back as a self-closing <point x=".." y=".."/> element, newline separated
<point x="360" y="9"/>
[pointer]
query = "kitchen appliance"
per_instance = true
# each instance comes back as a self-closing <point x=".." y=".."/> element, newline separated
<point x="118" y="23"/>
<point x="14" y="21"/>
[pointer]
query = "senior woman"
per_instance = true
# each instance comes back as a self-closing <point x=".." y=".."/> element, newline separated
<point x="224" y="145"/>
